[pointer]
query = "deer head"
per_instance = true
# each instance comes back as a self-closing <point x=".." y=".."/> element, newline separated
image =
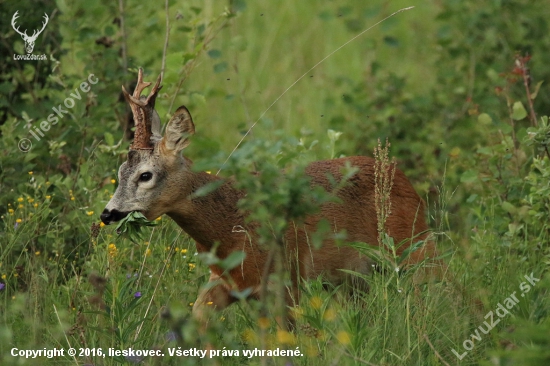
<point x="153" y="176"/>
<point x="29" y="40"/>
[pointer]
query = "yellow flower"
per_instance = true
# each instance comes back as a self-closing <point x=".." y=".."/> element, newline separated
<point x="16" y="275"/>
<point x="30" y="200"/>
<point x="191" y="303"/>
<point x="209" y="303"/>
<point x="263" y="322"/>
<point x="89" y="213"/>
<point x="191" y="266"/>
<point x="285" y="337"/>
<point x="10" y="210"/>
<point x="48" y="183"/>
<point x="20" y="206"/>
<point x="316" y="302"/>
<point x="249" y="335"/>
<point x="19" y="221"/>
<point x="48" y="197"/>
<point x="183" y="251"/>
<point x="158" y="218"/>
<point x="37" y="252"/>
<point x="101" y="224"/>
<point x="112" y="250"/>
<point x="111" y="196"/>
<point x="30" y="173"/>
<point x="20" y="199"/>
<point x="148" y="252"/>
<point x="4" y="276"/>
<point x="329" y="315"/>
<point x="208" y="172"/>
<point x="343" y="337"/>
<point x="113" y="181"/>
<point x="35" y="205"/>
<point x="72" y="198"/>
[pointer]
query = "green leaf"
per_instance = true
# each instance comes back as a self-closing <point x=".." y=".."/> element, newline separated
<point x="508" y="207"/>
<point x="220" y="67"/>
<point x="391" y="41"/>
<point x="206" y="189"/>
<point x="537" y="88"/>
<point x="215" y="53"/>
<point x="469" y="176"/>
<point x="333" y="135"/>
<point x="132" y="224"/>
<point x="518" y="111"/>
<point x="484" y="119"/>
<point x="233" y="260"/>
<point x="241" y="295"/>
<point x="109" y="139"/>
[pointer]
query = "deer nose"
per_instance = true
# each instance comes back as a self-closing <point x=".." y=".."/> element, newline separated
<point x="110" y="216"/>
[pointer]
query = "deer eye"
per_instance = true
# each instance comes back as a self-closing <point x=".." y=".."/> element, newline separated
<point x="144" y="177"/>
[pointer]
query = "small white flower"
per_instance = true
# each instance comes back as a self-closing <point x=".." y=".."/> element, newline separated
<point x="397" y="269"/>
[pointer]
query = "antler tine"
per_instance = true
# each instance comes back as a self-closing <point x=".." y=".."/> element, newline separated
<point x="140" y="84"/>
<point x="143" y="110"/>
<point x="153" y="94"/>
<point x="131" y="99"/>
<point x="13" y="19"/>
<point x="37" y="32"/>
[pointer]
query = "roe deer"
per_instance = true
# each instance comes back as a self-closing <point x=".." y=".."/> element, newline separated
<point x="156" y="179"/>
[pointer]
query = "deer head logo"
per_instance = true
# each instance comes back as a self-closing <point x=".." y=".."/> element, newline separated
<point x="29" y="40"/>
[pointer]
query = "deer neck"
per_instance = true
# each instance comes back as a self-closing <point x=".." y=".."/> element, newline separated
<point x="212" y="218"/>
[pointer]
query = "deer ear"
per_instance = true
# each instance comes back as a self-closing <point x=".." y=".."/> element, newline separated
<point x="178" y="130"/>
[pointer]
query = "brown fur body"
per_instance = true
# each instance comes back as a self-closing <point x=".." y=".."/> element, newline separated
<point x="216" y="219"/>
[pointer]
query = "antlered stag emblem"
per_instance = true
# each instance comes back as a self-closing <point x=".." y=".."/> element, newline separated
<point x="29" y="40"/>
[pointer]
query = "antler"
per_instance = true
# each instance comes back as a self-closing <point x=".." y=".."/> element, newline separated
<point x="35" y="34"/>
<point x="143" y="109"/>
<point x="15" y="16"/>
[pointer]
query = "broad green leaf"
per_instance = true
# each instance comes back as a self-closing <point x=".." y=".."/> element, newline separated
<point x="518" y="111"/>
<point x="233" y="260"/>
<point x="484" y="119"/>
<point x="469" y="176"/>
<point x="206" y="189"/>
<point x="508" y="207"/>
<point x="109" y="139"/>
<point x="220" y="67"/>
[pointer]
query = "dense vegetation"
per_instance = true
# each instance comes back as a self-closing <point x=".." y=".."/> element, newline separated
<point x="459" y="88"/>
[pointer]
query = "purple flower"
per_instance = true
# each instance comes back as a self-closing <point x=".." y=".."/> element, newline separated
<point x="134" y="359"/>
<point x="170" y="336"/>
<point x="2" y="286"/>
<point x="137" y="295"/>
